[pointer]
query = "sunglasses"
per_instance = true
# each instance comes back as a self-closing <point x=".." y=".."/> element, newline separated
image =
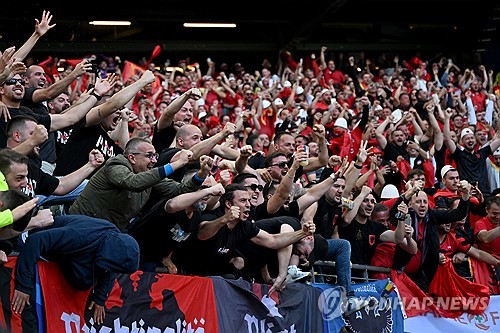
<point x="280" y="165"/>
<point x="254" y="187"/>
<point x="12" y="82"/>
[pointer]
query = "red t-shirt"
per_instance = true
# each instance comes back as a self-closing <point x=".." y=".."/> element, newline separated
<point x="451" y="245"/>
<point x="492" y="247"/>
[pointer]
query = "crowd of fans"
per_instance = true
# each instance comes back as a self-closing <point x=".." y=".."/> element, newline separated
<point x="391" y="163"/>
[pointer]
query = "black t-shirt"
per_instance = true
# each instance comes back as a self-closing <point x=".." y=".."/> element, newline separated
<point x="472" y="166"/>
<point x="327" y="216"/>
<point x="260" y="212"/>
<point x="61" y="138"/>
<point x="44" y="120"/>
<point x="83" y="139"/>
<point x="257" y="256"/>
<point x="164" y="232"/>
<point x="222" y="247"/>
<point x="320" y="251"/>
<point x="39" y="182"/>
<point x="392" y="151"/>
<point x="164" y="138"/>
<point x="364" y="239"/>
<point x="48" y="148"/>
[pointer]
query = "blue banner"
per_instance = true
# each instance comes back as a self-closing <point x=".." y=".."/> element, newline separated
<point x="385" y="317"/>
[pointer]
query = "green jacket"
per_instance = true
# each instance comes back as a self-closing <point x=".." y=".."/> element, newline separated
<point x="115" y="193"/>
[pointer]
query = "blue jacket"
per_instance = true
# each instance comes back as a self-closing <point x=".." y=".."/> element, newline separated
<point x="89" y="251"/>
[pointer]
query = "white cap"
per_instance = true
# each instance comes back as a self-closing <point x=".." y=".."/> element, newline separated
<point x="397" y="114"/>
<point x="278" y="102"/>
<point x="389" y="191"/>
<point x="202" y="114"/>
<point x="325" y="91"/>
<point x="340" y="122"/>
<point x="465" y="131"/>
<point x="445" y="169"/>
<point x="496" y="152"/>
<point x="299" y="90"/>
<point x="287" y="84"/>
<point x="266" y="104"/>
<point x="378" y="107"/>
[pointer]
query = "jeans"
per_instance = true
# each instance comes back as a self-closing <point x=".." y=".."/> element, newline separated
<point x="62" y="199"/>
<point x="339" y="250"/>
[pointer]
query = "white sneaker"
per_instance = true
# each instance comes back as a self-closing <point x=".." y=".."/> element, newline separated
<point x="295" y="274"/>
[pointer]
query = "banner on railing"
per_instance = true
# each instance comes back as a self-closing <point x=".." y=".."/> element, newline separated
<point x="149" y="302"/>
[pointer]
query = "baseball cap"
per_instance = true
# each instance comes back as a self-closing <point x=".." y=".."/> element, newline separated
<point x="389" y="191"/>
<point x="378" y="107"/>
<point x="266" y="104"/>
<point x="287" y="84"/>
<point x="278" y="102"/>
<point x="340" y="122"/>
<point x="465" y="131"/>
<point x="325" y="91"/>
<point x="445" y="169"/>
<point x="299" y="90"/>
<point x="496" y="152"/>
<point x="202" y="114"/>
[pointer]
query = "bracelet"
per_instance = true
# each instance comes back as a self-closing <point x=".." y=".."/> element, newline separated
<point x="357" y="166"/>
<point x="95" y="95"/>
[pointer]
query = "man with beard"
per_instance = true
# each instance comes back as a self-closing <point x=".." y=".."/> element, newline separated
<point x="38" y="182"/>
<point x="58" y="105"/>
<point x="222" y="234"/>
<point x="469" y="158"/>
<point x="93" y="130"/>
<point x="395" y="144"/>
<point x="169" y="228"/>
<point x="363" y="233"/>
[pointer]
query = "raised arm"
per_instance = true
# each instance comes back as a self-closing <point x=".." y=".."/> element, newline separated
<point x="450" y="144"/>
<point x="350" y="214"/>
<point x="186" y="200"/>
<point x="45" y="94"/>
<point x="41" y="28"/>
<point x="118" y="100"/>
<point x="285" y="187"/>
<point x="168" y="115"/>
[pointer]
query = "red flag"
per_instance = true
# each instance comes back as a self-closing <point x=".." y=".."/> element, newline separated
<point x="404" y="167"/>
<point x="156" y="52"/>
<point x="50" y="68"/>
<point x="130" y="70"/>
<point x="415" y="301"/>
<point x="467" y="296"/>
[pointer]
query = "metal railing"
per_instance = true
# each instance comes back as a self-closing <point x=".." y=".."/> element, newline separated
<point x="364" y="268"/>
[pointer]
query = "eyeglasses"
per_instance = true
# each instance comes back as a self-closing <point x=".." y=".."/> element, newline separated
<point x="12" y="82"/>
<point x="148" y="155"/>
<point x="449" y="86"/>
<point x="254" y="187"/>
<point x="280" y="165"/>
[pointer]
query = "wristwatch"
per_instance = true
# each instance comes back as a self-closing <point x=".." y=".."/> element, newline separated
<point x="95" y="95"/>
